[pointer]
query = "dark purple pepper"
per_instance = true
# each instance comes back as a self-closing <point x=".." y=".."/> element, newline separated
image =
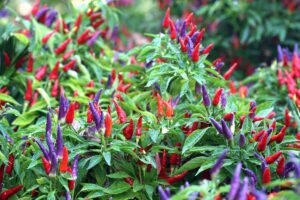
<point x="96" y="116"/>
<point x="259" y="195"/>
<point x="263" y="161"/>
<point x="149" y="64"/>
<point x="53" y="159"/>
<point x="296" y="49"/>
<point x="157" y="87"/>
<point x="49" y="134"/>
<point x="75" y="166"/>
<point x="206" y="98"/>
<point x="97" y="96"/>
<point x="63" y="107"/>
<point x="219" y="163"/>
<point x="109" y="81"/>
<point x="269" y="131"/>
<point x="59" y="143"/>
<point x="183" y="30"/>
<point x="280" y="53"/>
<point x="4" y="13"/>
<point x="242" y="140"/>
<point x="217" y="125"/>
<point x="177" y="25"/>
<point x="252" y="176"/>
<point x="194" y="37"/>
<point x="51" y="17"/>
<point x="219" y="66"/>
<point x="43" y="149"/>
<point x="68" y="195"/>
<point x="41" y="12"/>
<point x="175" y="101"/>
<point x="235" y="182"/>
<point x="114" y="34"/>
<point x="190" y="47"/>
<point x="226" y="131"/>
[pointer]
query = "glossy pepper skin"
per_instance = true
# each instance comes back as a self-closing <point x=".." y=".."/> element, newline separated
<point x="280" y="166"/>
<point x="64" y="163"/>
<point x="28" y="92"/>
<point x="128" y="130"/>
<point x="271" y="159"/>
<point x="120" y="112"/>
<point x="160" y="109"/>
<point x="165" y="23"/>
<point x="61" y="48"/>
<point x="10" y="166"/>
<point x="263" y="142"/>
<point x="8" y="193"/>
<point x="176" y="178"/>
<point x="54" y="72"/>
<point x="230" y="71"/>
<point x="30" y="63"/>
<point x="108" y="125"/>
<point x="47" y="165"/>
<point x="139" y="124"/>
<point x="217" y="97"/>
<point x="195" y="53"/>
<point x="70" y="114"/>
<point x="266" y="178"/>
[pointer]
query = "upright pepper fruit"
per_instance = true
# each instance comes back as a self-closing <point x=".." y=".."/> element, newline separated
<point x="108" y="125"/>
<point x="266" y="178"/>
<point x="64" y="163"/>
<point x="47" y="165"/>
<point x="166" y="19"/>
<point x="70" y="114"/>
<point x="121" y="113"/>
<point x="217" y="97"/>
<point x="139" y="124"/>
<point x="28" y="93"/>
<point x="10" y="166"/>
<point x="271" y="159"/>
<point x="195" y="53"/>
<point x="61" y="48"/>
<point x="128" y="130"/>
<point x="230" y="71"/>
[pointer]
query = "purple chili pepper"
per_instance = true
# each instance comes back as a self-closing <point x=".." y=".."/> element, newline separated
<point x="175" y="101"/>
<point x="4" y="13"/>
<point x="198" y="89"/>
<point x="43" y="149"/>
<point x="68" y="195"/>
<point x="252" y="176"/>
<point x="269" y="131"/>
<point x="97" y="96"/>
<point x="242" y="195"/>
<point x="217" y="125"/>
<point x="96" y="116"/>
<point x="168" y="191"/>
<point x="226" y="131"/>
<point x="149" y="64"/>
<point x="49" y="135"/>
<point x="194" y="37"/>
<point x="75" y="166"/>
<point x="263" y="161"/>
<point x="259" y="195"/>
<point x="51" y="17"/>
<point x="8" y="138"/>
<point x="280" y="53"/>
<point x="177" y="25"/>
<point x="219" y="66"/>
<point x="114" y="34"/>
<point x="296" y="49"/>
<point x="183" y="30"/>
<point x="252" y="104"/>
<point x="162" y="194"/>
<point x="235" y="182"/>
<point x="93" y="39"/>
<point x="109" y="81"/>
<point x="232" y="119"/>
<point x="190" y="46"/>
<point x="53" y="159"/>
<point x="41" y="12"/>
<point x="223" y="100"/>
<point x="206" y="98"/>
<point x="59" y="143"/>
<point x="62" y="104"/>
<point x="242" y="140"/>
<point x="157" y="87"/>
<point x="217" y="166"/>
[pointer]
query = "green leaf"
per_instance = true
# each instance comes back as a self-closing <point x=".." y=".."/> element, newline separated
<point x="21" y="37"/>
<point x="44" y="95"/>
<point x="7" y="98"/>
<point x="192" y="164"/>
<point x="192" y="139"/>
<point x="117" y="187"/>
<point x="25" y="119"/>
<point x="107" y="157"/>
<point x="87" y="187"/>
<point x="153" y="135"/>
<point x="118" y="175"/>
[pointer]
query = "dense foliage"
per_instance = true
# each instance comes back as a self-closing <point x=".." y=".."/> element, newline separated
<point x="81" y="118"/>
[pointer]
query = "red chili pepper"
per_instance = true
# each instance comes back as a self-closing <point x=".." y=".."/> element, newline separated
<point x="109" y="109"/>
<point x="195" y="53"/>
<point x="90" y="117"/>
<point x="287" y="119"/>
<point x="77" y="23"/>
<point x="47" y="37"/>
<point x="263" y="142"/>
<point x="175" y="158"/>
<point x="200" y="36"/>
<point x="166" y="19"/>
<point x="182" y="44"/>
<point x="47" y="165"/>
<point x="113" y="75"/>
<point x="232" y="87"/>
<point x="98" y="23"/>
<point x="61" y="48"/>
<point x="189" y="18"/>
<point x="256" y="119"/>
<point x="129" y="181"/>
<point x="95" y="16"/>
<point x="69" y="65"/>
<point x="193" y="29"/>
<point x="40" y="72"/>
<point x="258" y="135"/>
<point x="160" y="109"/>
<point x="266" y="178"/>
<point x="28" y="93"/>
<point x="35" y="7"/>
<point x="83" y="37"/>
<point x="34" y="98"/>
<point x="68" y="54"/>
<point x="6" y="59"/>
<point x="281" y="134"/>
<point x="77" y="104"/>
<point x="108" y="125"/>
<point x="176" y="178"/>
<point x="243" y="91"/>
<point x="54" y="91"/>
<point x="139" y="124"/>
<point x="30" y="63"/>
<point x="169" y="109"/>
<point x="1" y="175"/>
<point x="90" y="11"/>
<point x="173" y="33"/>
<point x="228" y="116"/>
<point x="71" y="184"/>
<point x="273" y="158"/>
<point x="65" y="26"/>
<point x="34" y="192"/>
<point x="230" y="71"/>
<point x="208" y="49"/>
<point x="163" y="164"/>
<point x="8" y="193"/>
<point x="242" y="119"/>
<point x="128" y="130"/>
<point x="217" y="97"/>
<point x="54" y="73"/>
<point x="70" y="114"/>
<point x="120" y="112"/>
<point x="280" y="166"/>
<point x="10" y="166"/>
<point x="64" y="163"/>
